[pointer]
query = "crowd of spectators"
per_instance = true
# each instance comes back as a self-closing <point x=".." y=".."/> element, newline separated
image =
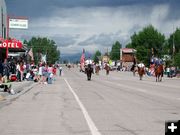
<point x="21" y="71"/>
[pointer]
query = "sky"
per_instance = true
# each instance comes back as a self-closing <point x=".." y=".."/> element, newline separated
<point x="92" y="24"/>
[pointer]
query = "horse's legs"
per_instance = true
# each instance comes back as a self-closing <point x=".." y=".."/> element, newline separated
<point x="140" y="77"/>
<point x="89" y="76"/>
<point x="134" y="73"/>
<point x="158" y="78"/>
<point x="161" y="78"/>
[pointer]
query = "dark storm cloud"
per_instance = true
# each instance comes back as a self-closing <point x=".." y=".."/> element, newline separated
<point x="92" y="24"/>
<point x="36" y="8"/>
<point x="103" y="39"/>
<point x="64" y="40"/>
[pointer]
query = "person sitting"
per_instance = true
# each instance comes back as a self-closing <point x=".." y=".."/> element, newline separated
<point x="4" y="84"/>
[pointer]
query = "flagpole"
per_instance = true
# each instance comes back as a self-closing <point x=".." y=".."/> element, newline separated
<point x="173" y="45"/>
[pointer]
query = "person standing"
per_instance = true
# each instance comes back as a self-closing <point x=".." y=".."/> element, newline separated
<point x="6" y="69"/>
<point x="22" y="70"/>
<point x="50" y="74"/>
<point x="60" y="70"/>
<point x="18" y="72"/>
<point x="168" y="71"/>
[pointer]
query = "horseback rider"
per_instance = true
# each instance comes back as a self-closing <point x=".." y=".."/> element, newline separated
<point x="88" y="63"/>
<point x="89" y="68"/>
<point x="141" y="65"/>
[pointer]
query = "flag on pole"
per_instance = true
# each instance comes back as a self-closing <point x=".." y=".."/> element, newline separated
<point x="82" y="60"/>
<point x="31" y="54"/>
<point x="43" y="58"/>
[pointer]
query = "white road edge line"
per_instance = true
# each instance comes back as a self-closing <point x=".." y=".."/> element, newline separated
<point x="92" y="127"/>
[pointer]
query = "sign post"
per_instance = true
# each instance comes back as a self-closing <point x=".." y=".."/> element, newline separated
<point x="14" y="23"/>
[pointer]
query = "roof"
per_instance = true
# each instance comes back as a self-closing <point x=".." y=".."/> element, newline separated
<point x="128" y="50"/>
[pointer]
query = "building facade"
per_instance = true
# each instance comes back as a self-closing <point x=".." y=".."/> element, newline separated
<point x="127" y="57"/>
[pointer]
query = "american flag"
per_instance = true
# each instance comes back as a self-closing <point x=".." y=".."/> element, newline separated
<point x="82" y="60"/>
<point x="31" y="54"/>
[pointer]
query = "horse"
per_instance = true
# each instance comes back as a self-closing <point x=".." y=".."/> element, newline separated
<point x="89" y="71"/>
<point x="141" y="72"/>
<point x="107" y="68"/>
<point x="159" y="72"/>
<point x="97" y="68"/>
<point x="69" y="66"/>
<point x="134" y="69"/>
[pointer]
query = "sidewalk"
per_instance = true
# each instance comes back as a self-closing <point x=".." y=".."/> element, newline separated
<point x="17" y="87"/>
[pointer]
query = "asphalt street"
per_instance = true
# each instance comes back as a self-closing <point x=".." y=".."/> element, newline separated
<point x="117" y="104"/>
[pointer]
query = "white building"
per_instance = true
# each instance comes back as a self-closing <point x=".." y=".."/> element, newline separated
<point x="3" y="19"/>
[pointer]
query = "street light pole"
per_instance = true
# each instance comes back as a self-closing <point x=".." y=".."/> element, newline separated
<point x="7" y="37"/>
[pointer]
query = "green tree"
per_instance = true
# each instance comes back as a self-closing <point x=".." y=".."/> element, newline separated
<point x="142" y="54"/>
<point x="149" y="39"/>
<point x="129" y="45"/>
<point x="174" y="39"/>
<point x="96" y="56"/>
<point x="115" y="51"/>
<point x="177" y="59"/>
<point x="46" y="47"/>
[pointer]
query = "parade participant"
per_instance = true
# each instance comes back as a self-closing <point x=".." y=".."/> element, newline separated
<point x="88" y="61"/>
<point x="88" y="68"/>
<point x="141" y="65"/>
<point x="107" y="68"/>
<point x="141" y="70"/>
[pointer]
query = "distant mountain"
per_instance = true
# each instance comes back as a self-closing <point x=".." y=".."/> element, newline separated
<point x="74" y="57"/>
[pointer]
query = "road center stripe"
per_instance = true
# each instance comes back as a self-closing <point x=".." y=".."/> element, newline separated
<point x="92" y="127"/>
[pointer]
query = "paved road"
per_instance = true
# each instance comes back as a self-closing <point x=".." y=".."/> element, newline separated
<point x="118" y="104"/>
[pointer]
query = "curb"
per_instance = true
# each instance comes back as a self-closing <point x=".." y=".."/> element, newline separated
<point x="19" y="90"/>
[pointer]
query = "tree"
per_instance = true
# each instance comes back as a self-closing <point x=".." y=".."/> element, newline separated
<point x="174" y="39"/>
<point x="115" y="51"/>
<point x="149" y="39"/>
<point x="177" y="60"/>
<point x="96" y="56"/>
<point x="142" y="54"/>
<point x="46" y="47"/>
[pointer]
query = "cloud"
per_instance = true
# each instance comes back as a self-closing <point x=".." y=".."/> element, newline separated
<point x="98" y="27"/>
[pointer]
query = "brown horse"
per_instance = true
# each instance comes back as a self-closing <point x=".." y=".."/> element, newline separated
<point x="97" y="70"/>
<point x="159" y="72"/>
<point x="141" y="72"/>
<point x="107" y="68"/>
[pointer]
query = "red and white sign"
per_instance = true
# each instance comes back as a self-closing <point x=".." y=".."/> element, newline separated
<point x="11" y="44"/>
